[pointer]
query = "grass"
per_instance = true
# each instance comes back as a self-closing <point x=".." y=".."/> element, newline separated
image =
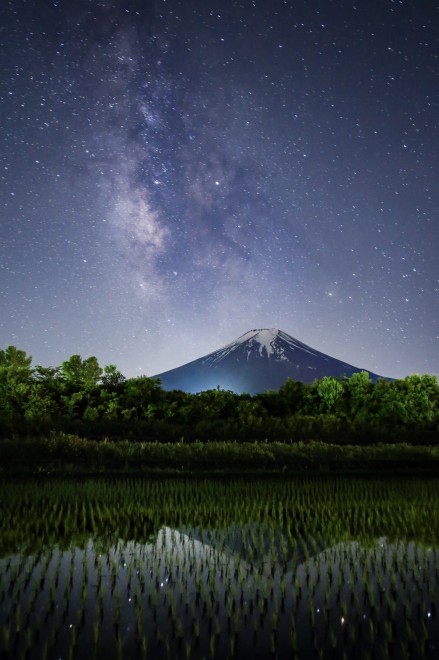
<point x="63" y="453"/>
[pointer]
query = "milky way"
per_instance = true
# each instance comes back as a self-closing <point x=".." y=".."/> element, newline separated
<point x="175" y="173"/>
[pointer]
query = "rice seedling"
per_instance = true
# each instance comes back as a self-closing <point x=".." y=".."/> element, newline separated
<point x="272" y="563"/>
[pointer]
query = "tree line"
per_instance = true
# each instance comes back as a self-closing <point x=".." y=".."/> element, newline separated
<point x="81" y="397"/>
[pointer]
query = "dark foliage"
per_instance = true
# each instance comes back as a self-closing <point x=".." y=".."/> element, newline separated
<point x="82" y="399"/>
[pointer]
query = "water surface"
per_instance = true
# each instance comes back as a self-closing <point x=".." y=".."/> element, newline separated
<point x="207" y="568"/>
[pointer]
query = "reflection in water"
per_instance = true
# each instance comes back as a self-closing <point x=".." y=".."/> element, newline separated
<point x="186" y="568"/>
<point x="245" y="589"/>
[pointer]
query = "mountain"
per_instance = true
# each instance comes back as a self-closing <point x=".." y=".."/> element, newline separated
<point x="258" y="360"/>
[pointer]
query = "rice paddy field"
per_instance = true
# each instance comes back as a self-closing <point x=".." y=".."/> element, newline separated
<point x="206" y="568"/>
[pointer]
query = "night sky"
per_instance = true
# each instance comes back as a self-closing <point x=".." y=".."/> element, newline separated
<point x="177" y="172"/>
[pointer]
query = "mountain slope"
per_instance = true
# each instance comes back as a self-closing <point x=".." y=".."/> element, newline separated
<point x="258" y="360"/>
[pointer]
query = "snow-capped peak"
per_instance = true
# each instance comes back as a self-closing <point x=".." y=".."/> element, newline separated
<point x="265" y="338"/>
<point x="259" y="360"/>
<point x="261" y="342"/>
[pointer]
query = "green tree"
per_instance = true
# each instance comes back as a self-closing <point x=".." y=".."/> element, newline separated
<point x="78" y="372"/>
<point x="213" y="404"/>
<point x="139" y="393"/>
<point x="286" y="401"/>
<point x="80" y="386"/>
<point x="330" y="390"/>
<point x="108" y="404"/>
<point x="71" y="370"/>
<point x="249" y="411"/>
<point x="112" y="377"/>
<point x="359" y="390"/>
<point x="39" y="404"/>
<point x="15" y="381"/>
<point x="16" y="360"/>
<point x="410" y="402"/>
<point x="47" y="375"/>
<point x="91" y="372"/>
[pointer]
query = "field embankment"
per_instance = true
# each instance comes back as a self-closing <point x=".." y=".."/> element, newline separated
<point x="65" y="453"/>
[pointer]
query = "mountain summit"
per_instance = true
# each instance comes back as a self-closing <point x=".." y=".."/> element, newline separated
<point x="258" y="360"/>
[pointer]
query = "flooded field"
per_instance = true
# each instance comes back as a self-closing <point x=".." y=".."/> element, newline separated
<point x="288" y="568"/>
